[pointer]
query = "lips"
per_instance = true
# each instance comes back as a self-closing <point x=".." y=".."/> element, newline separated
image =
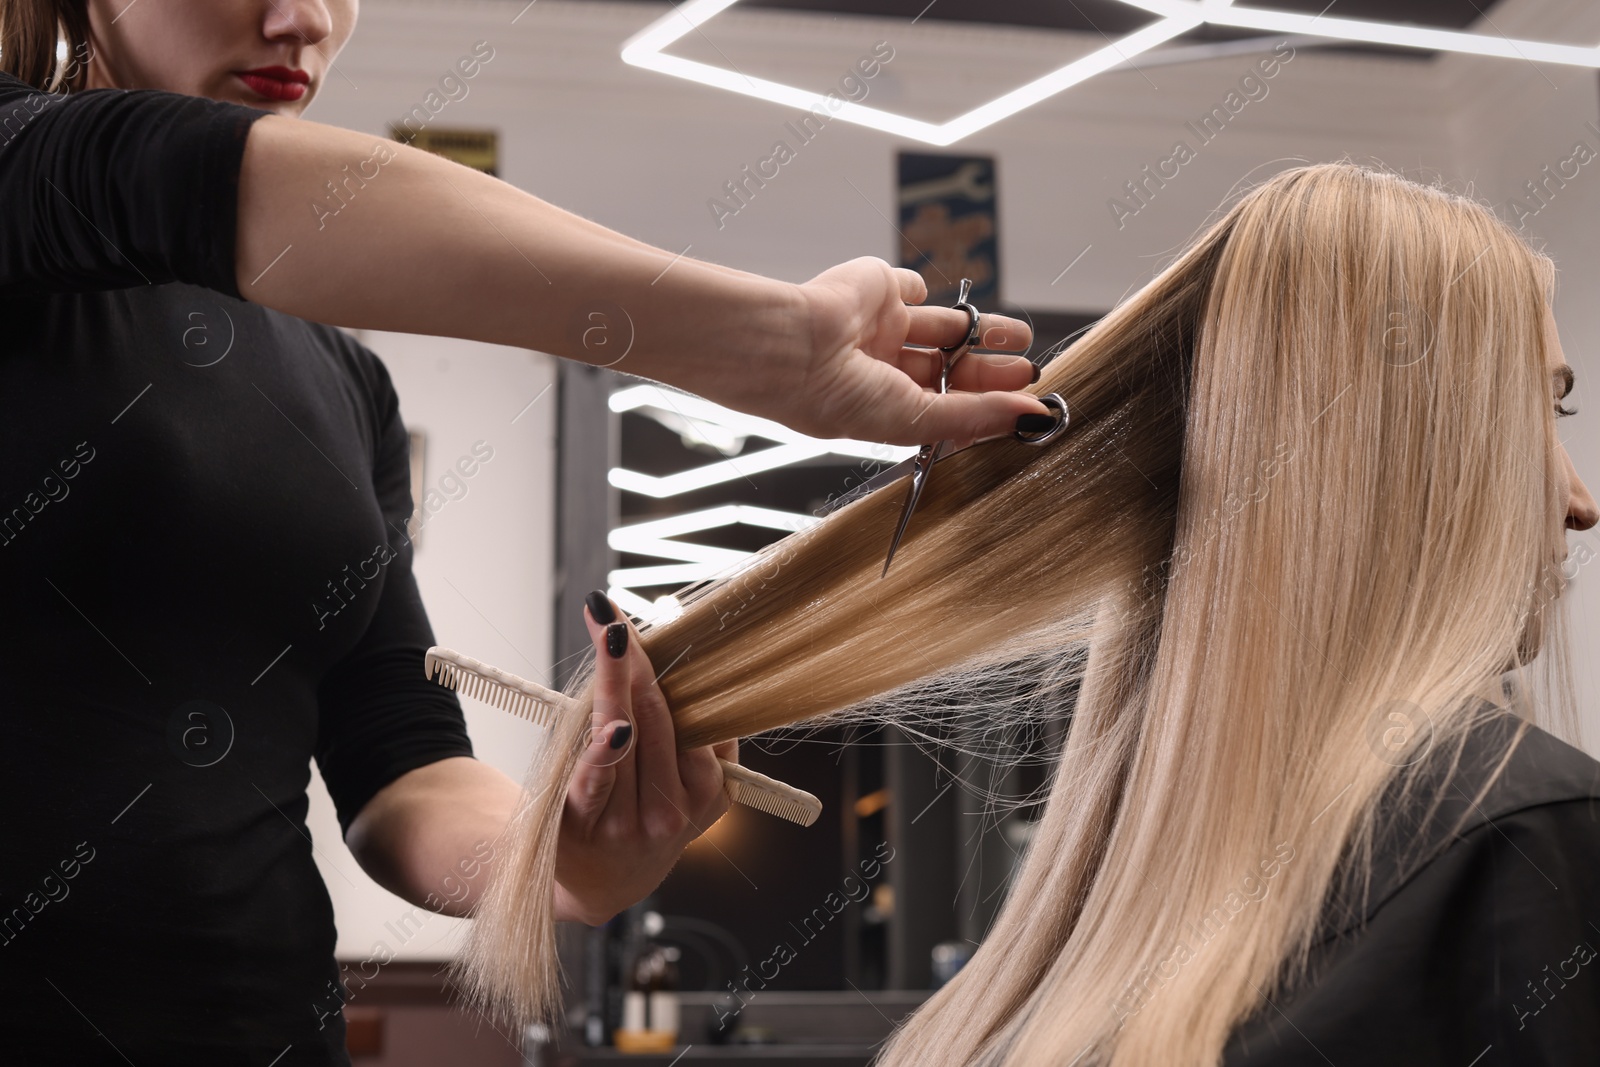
<point x="276" y="83"/>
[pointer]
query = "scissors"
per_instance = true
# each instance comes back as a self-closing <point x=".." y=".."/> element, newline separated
<point x="927" y="455"/>
<point x="922" y="463"/>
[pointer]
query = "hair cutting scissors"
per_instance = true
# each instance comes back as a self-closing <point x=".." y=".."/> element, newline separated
<point x="928" y="455"/>
<point x="922" y="463"/>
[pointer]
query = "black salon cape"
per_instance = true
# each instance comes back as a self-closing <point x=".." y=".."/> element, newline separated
<point x="205" y="583"/>
<point x="1479" y="948"/>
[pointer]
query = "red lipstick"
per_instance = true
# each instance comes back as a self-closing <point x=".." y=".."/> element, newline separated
<point x="276" y="83"/>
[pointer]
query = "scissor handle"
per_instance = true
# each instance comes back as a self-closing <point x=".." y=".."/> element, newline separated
<point x="951" y="354"/>
<point x="929" y="454"/>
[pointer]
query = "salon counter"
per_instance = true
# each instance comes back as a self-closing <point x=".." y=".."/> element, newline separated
<point x="723" y="1056"/>
<point x="817" y="1029"/>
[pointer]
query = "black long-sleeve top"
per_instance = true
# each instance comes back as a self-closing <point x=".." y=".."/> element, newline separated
<point x="206" y="584"/>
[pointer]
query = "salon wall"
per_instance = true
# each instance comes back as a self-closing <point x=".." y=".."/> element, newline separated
<point x="484" y="561"/>
<point x="645" y="154"/>
<point x="1514" y="120"/>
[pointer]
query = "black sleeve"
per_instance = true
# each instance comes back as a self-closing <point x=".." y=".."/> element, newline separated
<point x="379" y="715"/>
<point x="1489" y="956"/>
<point x="109" y="189"/>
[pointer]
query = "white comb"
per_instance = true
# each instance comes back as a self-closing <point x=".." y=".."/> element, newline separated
<point x="755" y="790"/>
<point x="494" y="686"/>
<point x="541" y="705"/>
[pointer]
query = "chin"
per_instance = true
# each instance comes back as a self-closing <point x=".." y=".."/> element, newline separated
<point x="1529" y="644"/>
<point x="282" y="108"/>
<point x="1531" y="641"/>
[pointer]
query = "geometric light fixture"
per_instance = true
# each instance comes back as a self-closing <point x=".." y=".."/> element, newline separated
<point x="695" y="563"/>
<point x="792" y="447"/>
<point x="646" y="49"/>
<point x="687" y="562"/>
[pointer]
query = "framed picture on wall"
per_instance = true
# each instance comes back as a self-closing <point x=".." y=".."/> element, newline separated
<point x="948" y="224"/>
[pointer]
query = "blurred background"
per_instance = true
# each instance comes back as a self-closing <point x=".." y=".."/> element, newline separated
<point x="770" y="942"/>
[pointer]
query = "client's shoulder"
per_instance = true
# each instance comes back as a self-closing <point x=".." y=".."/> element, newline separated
<point x="1529" y="767"/>
<point x="1501" y="776"/>
<point x="1482" y="879"/>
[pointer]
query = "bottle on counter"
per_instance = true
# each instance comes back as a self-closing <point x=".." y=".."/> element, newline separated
<point x="948" y="959"/>
<point x="650" y="1005"/>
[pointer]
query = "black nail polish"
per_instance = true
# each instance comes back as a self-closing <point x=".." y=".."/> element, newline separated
<point x="617" y="637"/>
<point x="600" y="607"/>
<point x="1035" y="423"/>
<point x="619" y="736"/>
<point x="1037" y="370"/>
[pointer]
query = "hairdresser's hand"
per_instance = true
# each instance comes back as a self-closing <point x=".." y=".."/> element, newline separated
<point x="635" y="801"/>
<point x="865" y="380"/>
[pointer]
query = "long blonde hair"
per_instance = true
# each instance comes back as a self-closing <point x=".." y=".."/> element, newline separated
<point x="1308" y="492"/>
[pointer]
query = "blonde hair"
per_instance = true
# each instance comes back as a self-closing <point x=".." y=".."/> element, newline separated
<point x="1309" y="482"/>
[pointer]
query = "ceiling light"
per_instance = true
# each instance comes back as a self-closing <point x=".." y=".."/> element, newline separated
<point x="1403" y="36"/>
<point x="644" y="49"/>
<point x="1174" y="17"/>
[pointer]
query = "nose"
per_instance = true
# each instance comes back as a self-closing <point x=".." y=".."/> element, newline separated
<point x="307" y="22"/>
<point x="1582" y="512"/>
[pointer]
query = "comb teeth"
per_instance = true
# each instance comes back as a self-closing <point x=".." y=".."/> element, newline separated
<point x="755" y="790"/>
<point x="534" y="702"/>
<point x="784" y="808"/>
<point x="443" y="666"/>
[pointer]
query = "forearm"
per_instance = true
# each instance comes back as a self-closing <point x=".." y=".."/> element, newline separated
<point x="409" y="242"/>
<point x="431" y="835"/>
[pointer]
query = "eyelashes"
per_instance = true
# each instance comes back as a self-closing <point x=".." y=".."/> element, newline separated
<point x="1564" y="376"/>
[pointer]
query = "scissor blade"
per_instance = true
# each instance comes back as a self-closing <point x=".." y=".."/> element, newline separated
<point x="919" y="478"/>
<point x="921" y="464"/>
<point x="887" y="476"/>
<point x="899" y="530"/>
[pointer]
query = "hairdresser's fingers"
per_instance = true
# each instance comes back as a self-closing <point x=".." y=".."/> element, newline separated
<point x="861" y="325"/>
<point x="705" y="791"/>
<point x="912" y="287"/>
<point x="656" y="752"/>
<point x="727" y="750"/>
<point x="943" y="327"/>
<point x="967" y="417"/>
<point x="895" y="410"/>
<point x="594" y="783"/>
<point x="612" y="716"/>
<point x="973" y="372"/>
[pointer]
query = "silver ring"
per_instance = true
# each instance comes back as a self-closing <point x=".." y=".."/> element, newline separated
<point x="1049" y="400"/>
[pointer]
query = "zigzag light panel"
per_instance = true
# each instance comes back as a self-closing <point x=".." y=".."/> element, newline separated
<point x="688" y="562"/>
<point x="1174" y="17"/>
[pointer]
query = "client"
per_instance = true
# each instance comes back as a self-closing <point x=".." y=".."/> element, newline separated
<point x="1306" y="517"/>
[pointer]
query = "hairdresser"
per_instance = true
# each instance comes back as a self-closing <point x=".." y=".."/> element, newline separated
<point x="191" y="460"/>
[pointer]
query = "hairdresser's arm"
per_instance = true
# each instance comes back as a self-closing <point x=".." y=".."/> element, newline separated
<point x="423" y="245"/>
<point x="431" y="836"/>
